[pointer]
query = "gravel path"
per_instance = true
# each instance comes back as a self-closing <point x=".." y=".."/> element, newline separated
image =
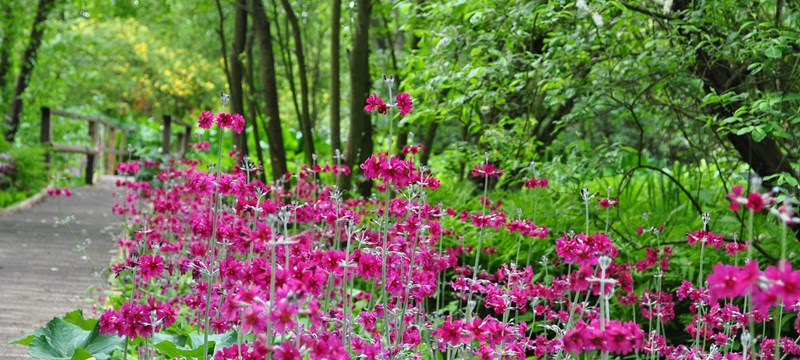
<point x="43" y="274"/>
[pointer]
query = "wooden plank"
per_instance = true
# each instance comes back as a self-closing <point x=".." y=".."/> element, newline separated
<point x="180" y="122"/>
<point x="113" y="151"/>
<point x="73" y="148"/>
<point x="70" y="115"/>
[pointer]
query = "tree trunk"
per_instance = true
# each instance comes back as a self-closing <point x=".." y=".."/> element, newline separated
<point x="302" y="70"/>
<point x="236" y="70"/>
<point x="28" y="61"/>
<point x="277" y="153"/>
<point x="336" y="138"/>
<point x="7" y="41"/>
<point x="359" y="140"/>
<point x="251" y="103"/>
<point x="428" y="142"/>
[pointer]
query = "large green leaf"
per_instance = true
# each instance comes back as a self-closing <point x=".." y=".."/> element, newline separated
<point x="71" y="339"/>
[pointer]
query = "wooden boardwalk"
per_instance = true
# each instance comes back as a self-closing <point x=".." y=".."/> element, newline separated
<point x="43" y="274"/>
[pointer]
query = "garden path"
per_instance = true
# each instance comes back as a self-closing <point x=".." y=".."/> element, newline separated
<point x="43" y="274"/>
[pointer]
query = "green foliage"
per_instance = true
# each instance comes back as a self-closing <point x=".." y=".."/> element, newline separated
<point x="177" y="343"/>
<point x="22" y="172"/>
<point x="71" y="337"/>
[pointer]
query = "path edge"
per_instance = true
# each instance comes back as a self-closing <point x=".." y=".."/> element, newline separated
<point x="24" y="204"/>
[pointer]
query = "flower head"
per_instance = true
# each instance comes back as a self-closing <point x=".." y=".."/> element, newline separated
<point x="238" y="123"/>
<point x="206" y="119"/>
<point x="374" y="102"/>
<point x="404" y="103"/>
<point x="224" y="120"/>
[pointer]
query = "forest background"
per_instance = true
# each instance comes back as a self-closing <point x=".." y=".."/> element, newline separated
<point x="664" y="105"/>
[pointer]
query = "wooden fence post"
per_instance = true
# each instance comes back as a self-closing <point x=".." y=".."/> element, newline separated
<point x="90" y="155"/>
<point x="46" y="132"/>
<point x="111" y="157"/>
<point x="166" y="134"/>
<point x="186" y="140"/>
<point x="180" y="149"/>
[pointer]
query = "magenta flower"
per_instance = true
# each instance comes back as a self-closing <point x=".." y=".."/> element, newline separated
<point x="404" y="103"/>
<point x="489" y="170"/>
<point x="224" y="120"/>
<point x="374" y="102"/>
<point x="206" y="119"/>
<point x="150" y="266"/>
<point x="755" y="202"/>
<point x="728" y="281"/>
<point x="238" y="123"/>
<point x="734" y="195"/>
<point x="451" y="332"/>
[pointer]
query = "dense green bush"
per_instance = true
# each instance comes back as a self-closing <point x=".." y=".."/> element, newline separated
<point x="22" y="172"/>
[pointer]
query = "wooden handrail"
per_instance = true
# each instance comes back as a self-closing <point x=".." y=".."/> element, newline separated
<point x="107" y="144"/>
<point x="92" y="152"/>
<point x="68" y="114"/>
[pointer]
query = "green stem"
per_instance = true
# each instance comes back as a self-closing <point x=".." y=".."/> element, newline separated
<point x="212" y="248"/>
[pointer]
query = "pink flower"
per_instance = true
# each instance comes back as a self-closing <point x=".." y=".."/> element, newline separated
<point x="150" y="266"/>
<point x="404" y="103"/>
<point x="283" y="316"/>
<point x="606" y="203"/>
<point x="734" y="195"/>
<point x="206" y="119"/>
<point x="785" y="282"/>
<point x="534" y="183"/>
<point x="287" y="351"/>
<point x="238" y="123"/>
<point x="755" y="202"/>
<point x="451" y="331"/>
<point x="487" y="170"/>
<point x="728" y="281"/>
<point x="254" y="318"/>
<point x="374" y="102"/>
<point x="224" y="120"/>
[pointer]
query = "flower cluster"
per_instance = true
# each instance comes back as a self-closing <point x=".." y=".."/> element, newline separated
<point x="581" y="249"/>
<point x="616" y="337"/>
<point x="536" y="183"/>
<point x="7" y="169"/>
<point x="301" y="271"/>
<point x="487" y="170"/>
<point x="403" y="103"/>
<point x="223" y="120"/>
<point x="401" y="173"/>
<point x="128" y="168"/>
<point x="134" y="319"/>
<point x="55" y="192"/>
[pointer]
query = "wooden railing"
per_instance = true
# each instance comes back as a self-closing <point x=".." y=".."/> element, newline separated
<point x="103" y="142"/>
<point x="109" y="141"/>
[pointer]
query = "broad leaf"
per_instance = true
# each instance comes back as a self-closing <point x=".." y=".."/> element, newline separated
<point x="68" y="340"/>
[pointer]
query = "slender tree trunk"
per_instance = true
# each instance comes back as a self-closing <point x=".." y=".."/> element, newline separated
<point x="315" y="78"/>
<point x="359" y="141"/>
<point x="236" y="70"/>
<point x="336" y="118"/>
<point x="302" y="70"/>
<point x="286" y="59"/>
<point x="277" y="153"/>
<point x="430" y="135"/>
<point x="7" y="41"/>
<point x="252" y="104"/>
<point x="28" y="61"/>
